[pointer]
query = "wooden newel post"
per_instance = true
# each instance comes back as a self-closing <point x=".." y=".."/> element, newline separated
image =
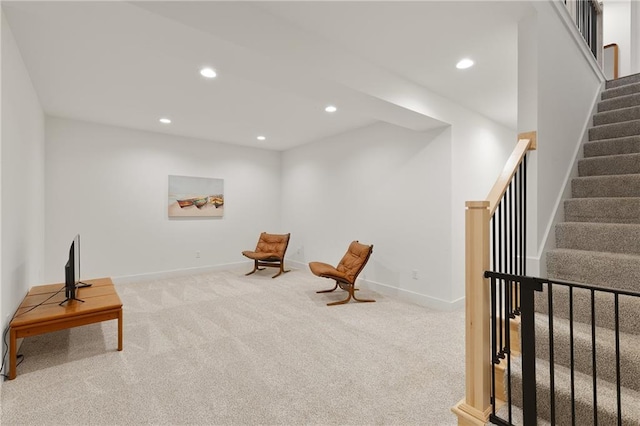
<point x="476" y="407"/>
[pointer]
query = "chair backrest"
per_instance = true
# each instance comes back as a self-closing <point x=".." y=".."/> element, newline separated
<point x="354" y="260"/>
<point x="273" y="243"/>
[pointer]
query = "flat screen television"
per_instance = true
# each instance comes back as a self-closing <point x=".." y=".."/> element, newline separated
<point x="72" y="272"/>
<point x="69" y="274"/>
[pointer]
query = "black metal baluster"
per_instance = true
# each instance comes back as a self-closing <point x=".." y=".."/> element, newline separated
<point x="617" y="329"/>
<point x="510" y="232"/>
<point x="501" y="255"/>
<point x="507" y="308"/>
<point x="552" y="385"/>
<point x="494" y="260"/>
<point x="593" y="346"/>
<point x="524" y="219"/>
<point x="573" y="379"/>
<point x="494" y="358"/>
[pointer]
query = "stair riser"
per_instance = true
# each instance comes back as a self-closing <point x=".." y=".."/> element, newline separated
<point x="606" y="186"/>
<point x="617" y="116"/>
<point x="583" y="354"/>
<point x="616" y="130"/>
<point x="615" y="92"/>
<point x="603" y="210"/>
<point x="610" y="165"/>
<point x="628" y="308"/>
<point x="617" y="146"/>
<point x="622" y="272"/>
<point x="599" y="237"/>
<point x="620" y="102"/>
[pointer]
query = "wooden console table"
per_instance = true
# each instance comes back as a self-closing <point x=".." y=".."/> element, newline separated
<point x="101" y="303"/>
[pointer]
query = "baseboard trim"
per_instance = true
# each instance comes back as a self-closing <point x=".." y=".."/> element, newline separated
<point x="412" y="296"/>
<point x="125" y="279"/>
<point x="399" y="293"/>
<point x="385" y="289"/>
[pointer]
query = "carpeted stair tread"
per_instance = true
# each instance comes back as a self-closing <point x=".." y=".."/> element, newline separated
<point x="615" y="130"/>
<point x="623" y="81"/>
<point x="617" y="116"/>
<point x="603" y="210"/>
<point x="628" y="307"/>
<point x="599" y="237"/>
<point x="622" y="164"/>
<point x="582" y="349"/>
<point x="611" y="270"/>
<point x="626" y="89"/>
<point x="598" y="245"/>
<point x="615" y="146"/>
<point x="619" y="102"/>
<point x="584" y="412"/>
<point x="606" y="186"/>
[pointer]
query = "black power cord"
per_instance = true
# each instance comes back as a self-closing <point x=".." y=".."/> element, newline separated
<point x="20" y="357"/>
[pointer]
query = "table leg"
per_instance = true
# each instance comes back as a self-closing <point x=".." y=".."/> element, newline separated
<point x="120" y="329"/>
<point x="12" y="355"/>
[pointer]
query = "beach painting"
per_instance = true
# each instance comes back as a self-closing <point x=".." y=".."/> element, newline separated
<point x="195" y="196"/>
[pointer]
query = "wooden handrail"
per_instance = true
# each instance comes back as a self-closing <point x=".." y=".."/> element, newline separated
<point x="474" y="409"/>
<point x="526" y="142"/>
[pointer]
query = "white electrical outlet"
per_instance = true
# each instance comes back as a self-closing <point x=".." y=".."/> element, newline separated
<point x="414" y="274"/>
<point x="197" y="255"/>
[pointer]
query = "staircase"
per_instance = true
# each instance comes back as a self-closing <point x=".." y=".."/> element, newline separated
<point x="598" y="244"/>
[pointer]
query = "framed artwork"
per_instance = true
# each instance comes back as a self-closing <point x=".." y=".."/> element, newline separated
<point x="195" y="197"/>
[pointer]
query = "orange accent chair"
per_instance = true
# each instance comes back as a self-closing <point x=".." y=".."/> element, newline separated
<point x="269" y="252"/>
<point x="345" y="275"/>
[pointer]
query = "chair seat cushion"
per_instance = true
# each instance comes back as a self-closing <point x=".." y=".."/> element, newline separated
<point x="269" y="257"/>
<point x="325" y="270"/>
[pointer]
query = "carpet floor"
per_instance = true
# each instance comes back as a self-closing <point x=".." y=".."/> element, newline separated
<point x="222" y="348"/>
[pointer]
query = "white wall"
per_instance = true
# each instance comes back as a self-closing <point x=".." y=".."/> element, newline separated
<point x="569" y="83"/>
<point x="110" y="185"/>
<point x="480" y="148"/>
<point x="402" y="191"/>
<point x="381" y="185"/>
<point x="22" y="180"/>
<point x="616" y="28"/>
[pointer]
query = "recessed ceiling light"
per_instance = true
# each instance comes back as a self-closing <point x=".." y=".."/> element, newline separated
<point x="464" y="63"/>
<point x="165" y="120"/>
<point x="261" y="138"/>
<point x="331" y="108"/>
<point x="208" y="72"/>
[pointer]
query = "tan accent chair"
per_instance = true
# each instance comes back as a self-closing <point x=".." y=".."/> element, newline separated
<point x="269" y="252"/>
<point x="347" y="272"/>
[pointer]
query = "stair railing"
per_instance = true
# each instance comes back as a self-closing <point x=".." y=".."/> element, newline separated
<point x="495" y="233"/>
<point x="587" y="15"/>
<point x="609" y="308"/>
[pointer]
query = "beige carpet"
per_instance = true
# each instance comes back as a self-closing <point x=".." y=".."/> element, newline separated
<point x="222" y="348"/>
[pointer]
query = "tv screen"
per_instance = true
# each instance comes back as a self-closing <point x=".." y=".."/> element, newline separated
<point x="72" y="272"/>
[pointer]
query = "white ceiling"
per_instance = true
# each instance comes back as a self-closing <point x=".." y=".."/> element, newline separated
<point x="279" y="64"/>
